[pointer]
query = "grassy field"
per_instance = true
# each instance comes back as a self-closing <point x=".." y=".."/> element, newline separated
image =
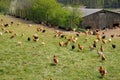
<point x="33" y="61"/>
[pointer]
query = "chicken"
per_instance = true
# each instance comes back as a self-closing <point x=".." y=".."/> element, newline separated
<point x="113" y="46"/>
<point x="98" y="37"/>
<point x="99" y="53"/>
<point x="43" y="31"/>
<point x="10" y="31"/>
<point x="101" y="48"/>
<point x="39" y="29"/>
<point x="11" y="22"/>
<point x="6" y="31"/>
<point x="103" y="37"/>
<point x="35" y="37"/>
<point x="1" y="33"/>
<point x="62" y="36"/>
<point x="103" y="57"/>
<point x="30" y="25"/>
<point x="96" y="41"/>
<point x="36" y="40"/>
<point x="22" y="34"/>
<point x="28" y="39"/>
<point x="6" y="25"/>
<point x="14" y="35"/>
<point x="102" y="71"/>
<point x="43" y="43"/>
<point x="109" y="40"/>
<point x="19" y="43"/>
<point x="74" y="40"/>
<point x="66" y="43"/>
<point x="112" y="35"/>
<point x="18" y="23"/>
<point x="94" y="45"/>
<point x="61" y="44"/>
<point x="86" y="39"/>
<point x="104" y="41"/>
<point x="91" y="47"/>
<point x="2" y="28"/>
<point x="59" y="33"/>
<point x="80" y="47"/>
<point x="55" y="59"/>
<point x="1" y="19"/>
<point x="77" y="34"/>
<point x="73" y="46"/>
<point x="74" y="29"/>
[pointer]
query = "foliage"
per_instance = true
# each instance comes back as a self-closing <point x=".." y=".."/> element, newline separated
<point x="94" y="3"/>
<point x="47" y="11"/>
<point x="4" y="5"/>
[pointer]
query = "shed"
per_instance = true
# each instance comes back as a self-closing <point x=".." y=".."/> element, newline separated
<point x="99" y="19"/>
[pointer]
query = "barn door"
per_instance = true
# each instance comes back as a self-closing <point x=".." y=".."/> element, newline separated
<point x="102" y="20"/>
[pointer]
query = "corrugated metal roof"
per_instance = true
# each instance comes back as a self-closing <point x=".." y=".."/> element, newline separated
<point x="86" y="12"/>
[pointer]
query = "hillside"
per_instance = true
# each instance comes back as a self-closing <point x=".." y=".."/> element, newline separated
<point x="23" y="59"/>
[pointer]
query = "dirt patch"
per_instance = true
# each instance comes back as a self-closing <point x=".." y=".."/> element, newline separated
<point x="109" y="32"/>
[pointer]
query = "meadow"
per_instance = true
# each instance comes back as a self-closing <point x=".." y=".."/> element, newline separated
<point x="33" y="61"/>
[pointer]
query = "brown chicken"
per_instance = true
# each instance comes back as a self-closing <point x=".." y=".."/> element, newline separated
<point x="101" y="48"/>
<point x="61" y="44"/>
<point x="98" y="37"/>
<point x="91" y="47"/>
<point x="104" y="41"/>
<point x="102" y="71"/>
<point x="103" y="57"/>
<point x="80" y="47"/>
<point x="14" y="35"/>
<point x="55" y="59"/>
<point x="66" y="43"/>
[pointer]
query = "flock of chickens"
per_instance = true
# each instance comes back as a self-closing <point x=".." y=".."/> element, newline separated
<point x="99" y="38"/>
<point x="70" y="40"/>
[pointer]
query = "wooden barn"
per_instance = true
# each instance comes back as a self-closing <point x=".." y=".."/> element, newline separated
<point x="99" y="19"/>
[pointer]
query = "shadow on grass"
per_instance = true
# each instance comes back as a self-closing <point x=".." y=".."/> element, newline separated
<point x="100" y="77"/>
<point x="52" y="64"/>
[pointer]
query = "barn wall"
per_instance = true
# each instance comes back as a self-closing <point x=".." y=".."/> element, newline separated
<point x="99" y="22"/>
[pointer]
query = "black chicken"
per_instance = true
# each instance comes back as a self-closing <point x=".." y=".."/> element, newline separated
<point x="113" y="46"/>
<point x="73" y="46"/>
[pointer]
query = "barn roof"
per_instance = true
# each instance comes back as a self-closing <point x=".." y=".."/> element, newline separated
<point x="86" y="12"/>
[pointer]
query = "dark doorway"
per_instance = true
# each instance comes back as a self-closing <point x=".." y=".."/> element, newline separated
<point x="116" y="25"/>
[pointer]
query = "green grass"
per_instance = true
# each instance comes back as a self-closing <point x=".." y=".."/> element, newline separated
<point x="33" y="61"/>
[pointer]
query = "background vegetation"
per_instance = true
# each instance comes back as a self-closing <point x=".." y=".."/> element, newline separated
<point x="94" y="3"/>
